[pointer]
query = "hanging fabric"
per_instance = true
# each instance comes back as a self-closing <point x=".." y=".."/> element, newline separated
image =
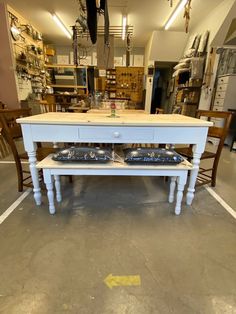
<point x="75" y="45"/>
<point x="92" y="19"/>
<point x="187" y="15"/>
<point x="94" y="6"/>
<point x="104" y="7"/>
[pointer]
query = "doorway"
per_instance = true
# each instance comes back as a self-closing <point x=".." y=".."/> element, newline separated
<point x="161" y="94"/>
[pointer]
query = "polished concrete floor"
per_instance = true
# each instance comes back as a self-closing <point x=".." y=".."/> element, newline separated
<point x="121" y="226"/>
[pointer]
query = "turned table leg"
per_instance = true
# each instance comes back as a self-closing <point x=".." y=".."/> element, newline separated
<point x="49" y="185"/>
<point x="58" y="188"/>
<point x="172" y="189"/>
<point x="35" y="177"/>
<point x="193" y="175"/>
<point x="180" y="188"/>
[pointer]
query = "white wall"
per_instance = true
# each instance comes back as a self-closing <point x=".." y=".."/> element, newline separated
<point x="147" y="61"/>
<point x="217" y="23"/>
<point x="8" y="86"/>
<point x="214" y="22"/>
<point x="167" y="46"/>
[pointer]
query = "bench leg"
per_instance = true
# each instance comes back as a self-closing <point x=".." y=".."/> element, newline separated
<point x="172" y="189"/>
<point x="58" y="188"/>
<point x="49" y="185"/>
<point x="180" y="188"/>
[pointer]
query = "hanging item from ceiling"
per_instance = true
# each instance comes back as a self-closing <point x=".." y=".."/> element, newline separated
<point x="187" y="9"/>
<point x="128" y="49"/>
<point x="75" y="45"/>
<point x="104" y="7"/>
<point x="92" y="10"/>
<point x="92" y="19"/>
<point x="171" y="3"/>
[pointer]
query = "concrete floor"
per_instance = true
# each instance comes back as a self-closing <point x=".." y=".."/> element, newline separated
<point x="123" y="226"/>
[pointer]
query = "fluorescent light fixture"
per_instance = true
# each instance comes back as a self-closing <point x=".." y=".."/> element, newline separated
<point x="176" y="12"/>
<point x="62" y="26"/>
<point x="124" y="23"/>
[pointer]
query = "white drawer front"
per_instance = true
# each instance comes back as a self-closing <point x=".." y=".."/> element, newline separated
<point x="219" y="102"/>
<point x="116" y="134"/>
<point x="221" y="88"/>
<point x="217" y="108"/>
<point x="220" y="95"/>
<point x="223" y="80"/>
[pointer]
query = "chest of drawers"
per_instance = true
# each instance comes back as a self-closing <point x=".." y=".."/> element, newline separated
<point x="225" y="96"/>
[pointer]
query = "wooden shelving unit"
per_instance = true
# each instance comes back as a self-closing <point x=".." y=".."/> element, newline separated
<point x="76" y="74"/>
<point x="187" y="97"/>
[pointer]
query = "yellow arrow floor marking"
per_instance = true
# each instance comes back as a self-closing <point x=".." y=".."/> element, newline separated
<point x="115" y="281"/>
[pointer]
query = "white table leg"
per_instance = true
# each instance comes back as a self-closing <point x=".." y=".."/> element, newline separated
<point x="35" y="177"/>
<point x="172" y="189"/>
<point x="193" y="175"/>
<point x="58" y="188"/>
<point x="49" y="185"/>
<point x="180" y="188"/>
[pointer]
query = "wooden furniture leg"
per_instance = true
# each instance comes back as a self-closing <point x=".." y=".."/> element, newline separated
<point x="181" y="181"/>
<point x="193" y="175"/>
<point x="172" y="189"/>
<point x="49" y="185"/>
<point x="58" y="188"/>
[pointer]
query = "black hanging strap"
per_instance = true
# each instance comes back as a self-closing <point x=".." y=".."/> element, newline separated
<point x="92" y="19"/>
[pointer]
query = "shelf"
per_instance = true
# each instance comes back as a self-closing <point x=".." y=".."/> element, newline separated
<point x="187" y="103"/>
<point x="64" y="66"/>
<point x="69" y="86"/>
<point x="187" y="87"/>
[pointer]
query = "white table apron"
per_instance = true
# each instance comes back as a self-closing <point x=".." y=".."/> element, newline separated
<point x="162" y="129"/>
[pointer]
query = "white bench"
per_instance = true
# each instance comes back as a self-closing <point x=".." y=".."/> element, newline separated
<point x="54" y="169"/>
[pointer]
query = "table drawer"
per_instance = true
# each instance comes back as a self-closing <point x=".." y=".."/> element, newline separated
<point x="116" y="134"/>
<point x="223" y="80"/>
<point x="221" y="88"/>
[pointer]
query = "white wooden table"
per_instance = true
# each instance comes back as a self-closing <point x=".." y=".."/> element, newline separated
<point x="128" y="128"/>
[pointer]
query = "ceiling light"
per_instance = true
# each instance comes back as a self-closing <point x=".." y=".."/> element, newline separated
<point x="62" y="26"/>
<point x="177" y="10"/>
<point x="124" y="23"/>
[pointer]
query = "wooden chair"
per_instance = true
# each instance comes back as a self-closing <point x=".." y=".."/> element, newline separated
<point x="208" y="175"/>
<point x="11" y="131"/>
<point x="47" y="107"/>
<point x="159" y="111"/>
<point x="4" y="147"/>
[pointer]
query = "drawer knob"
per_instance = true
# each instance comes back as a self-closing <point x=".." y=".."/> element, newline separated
<point x="116" y="134"/>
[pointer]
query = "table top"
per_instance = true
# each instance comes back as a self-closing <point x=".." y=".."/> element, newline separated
<point x="64" y="118"/>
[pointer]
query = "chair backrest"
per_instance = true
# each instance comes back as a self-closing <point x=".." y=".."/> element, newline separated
<point x="4" y="147"/>
<point x="219" y="132"/>
<point x="223" y="119"/>
<point x="159" y="111"/>
<point x="47" y="107"/>
<point x="10" y="128"/>
<point x="2" y="105"/>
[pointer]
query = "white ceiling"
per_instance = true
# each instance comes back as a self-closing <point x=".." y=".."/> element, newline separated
<point x="145" y="16"/>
